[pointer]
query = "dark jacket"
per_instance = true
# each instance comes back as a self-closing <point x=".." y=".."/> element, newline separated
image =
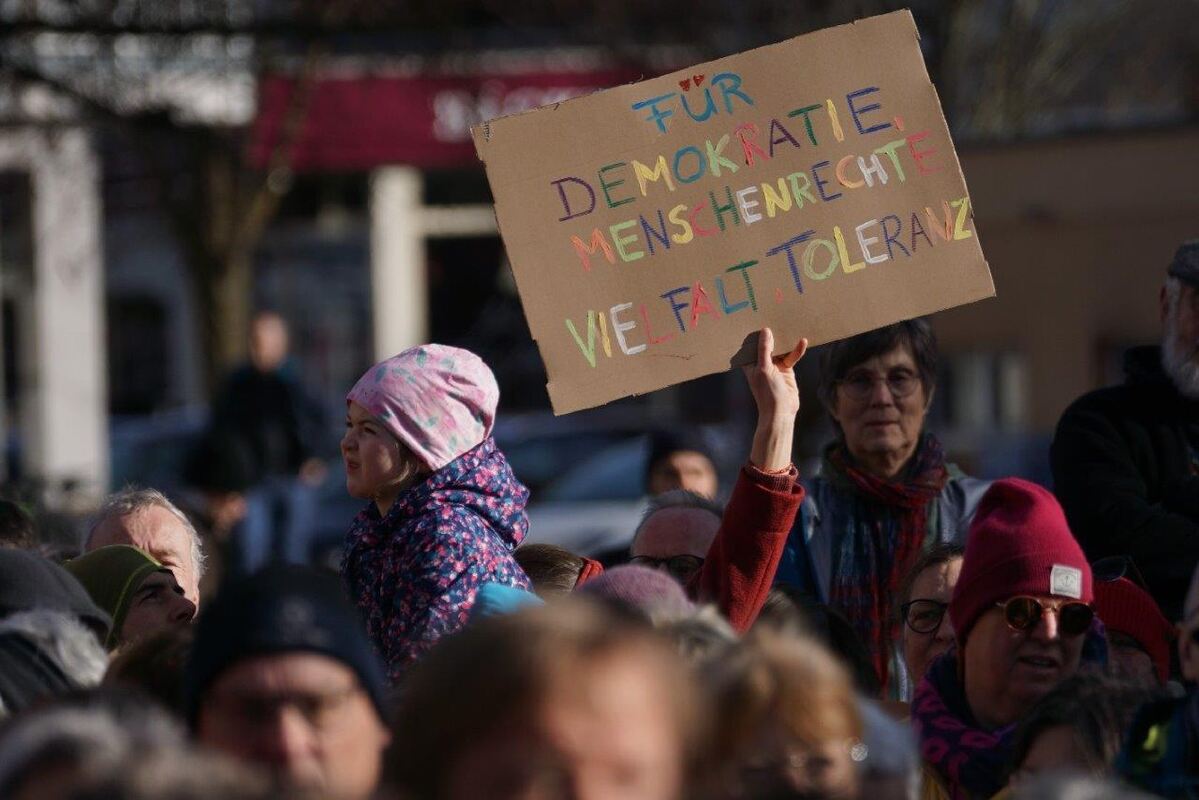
<point x="1160" y="753"/>
<point x="272" y="415"/>
<point x="414" y="574"/>
<point x="1126" y="470"/>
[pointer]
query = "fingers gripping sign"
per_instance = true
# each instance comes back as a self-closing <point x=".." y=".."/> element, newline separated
<point x="776" y="393"/>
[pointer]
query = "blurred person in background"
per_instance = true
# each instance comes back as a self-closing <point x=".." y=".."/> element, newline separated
<point x="1139" y="637"/>
<point x="565" y="700"/>
<point x="154" y="665"/>
<point x="555" y="571"/>
<point x="51" y="632"/>
<point x="444" y="510"/>
<point x="30" y="582"/>
<point x="44" y="654"/>
<point x="1023" y="623"/>
<point x="176" y="774"/>
<point x="1161" y="753"/>
<point x="147" y="520"/>
<point x="16" y="527"/>
<point x="61" y="747"/>
<point x="648" y="593"/>
<point x="680" y="460"/>
<point x="138" y="592"/>
<point x="1079" y="727"/>
<point x="728" y="557"/>
<point x="220" y="475"/>
<point x="1070" y="786"/>
<point x="890" y="767"/>
<point x="927" y="631"/>
<point x="265" y="407"/>
<point x="1126" y="459"/>
<point x="790" y="612"/>
<point x="787" y="722"/>
<point x="281" y="676"/>
<point x="885" y="492"/>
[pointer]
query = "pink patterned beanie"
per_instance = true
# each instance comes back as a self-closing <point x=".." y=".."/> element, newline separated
<point x="438" y="401"/>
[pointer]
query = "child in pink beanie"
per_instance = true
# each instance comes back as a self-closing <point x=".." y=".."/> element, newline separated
<point x="446" y="510"/>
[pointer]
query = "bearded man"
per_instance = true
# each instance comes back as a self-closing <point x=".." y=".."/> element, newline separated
<point x="1126" y="459"/>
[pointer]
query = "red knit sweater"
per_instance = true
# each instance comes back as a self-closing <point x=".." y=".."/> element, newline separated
<point x="739" y="568"/>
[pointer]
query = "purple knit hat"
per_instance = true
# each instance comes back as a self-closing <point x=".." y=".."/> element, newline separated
<point x="439" y="401"/>
<point x="645" y="589"/>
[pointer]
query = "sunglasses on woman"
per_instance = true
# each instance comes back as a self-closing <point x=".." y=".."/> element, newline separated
<point x="1023" y="614"/>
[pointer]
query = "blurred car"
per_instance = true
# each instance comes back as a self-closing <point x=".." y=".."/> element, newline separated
<point x="585" y="473"/>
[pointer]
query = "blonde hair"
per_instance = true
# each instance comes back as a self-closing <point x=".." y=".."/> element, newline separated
<point x="791" y="681"/>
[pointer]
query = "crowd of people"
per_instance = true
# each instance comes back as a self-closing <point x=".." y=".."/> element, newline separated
<point x="889" y="627"/>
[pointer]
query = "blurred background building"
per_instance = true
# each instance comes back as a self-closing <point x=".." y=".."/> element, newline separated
<point x="167" y="167"/>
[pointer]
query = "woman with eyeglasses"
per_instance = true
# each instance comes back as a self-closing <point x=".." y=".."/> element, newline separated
<point x="926" y="631"/>
<point x="1023" y="623"/>
<point x="884" y="492"/>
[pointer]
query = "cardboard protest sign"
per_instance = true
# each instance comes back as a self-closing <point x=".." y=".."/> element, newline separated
<point x="810" y="186"/>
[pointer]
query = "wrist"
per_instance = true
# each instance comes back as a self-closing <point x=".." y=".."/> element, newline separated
<point x="775" y="420"/>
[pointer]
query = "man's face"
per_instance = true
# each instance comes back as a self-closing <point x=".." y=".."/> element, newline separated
<point x="302" y="716"/>
<point x="1008" y="670"/>
<point x="1180" y="339"/>
<point x="161" y="534"/>
<point x="684" y="469"/>
<point x="158" y="603"/>
<point x="603" y="730"/>
<point x="268" y="342"/>
<point x="676" y="532"/>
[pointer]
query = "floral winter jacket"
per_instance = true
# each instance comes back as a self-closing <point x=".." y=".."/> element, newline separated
<point x="414" y="573"/>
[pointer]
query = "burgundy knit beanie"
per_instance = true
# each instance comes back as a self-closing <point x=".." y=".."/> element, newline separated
<point x="647" y="590"/>
<point x="1126" y="608"/>
<point x="1019" y="544"/>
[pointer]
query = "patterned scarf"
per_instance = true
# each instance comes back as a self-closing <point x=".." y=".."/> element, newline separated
<point x="883" y="534"/>
<point x="973" y="762"/>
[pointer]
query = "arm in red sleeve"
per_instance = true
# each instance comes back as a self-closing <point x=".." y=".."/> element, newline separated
<point x="739" y="568"/>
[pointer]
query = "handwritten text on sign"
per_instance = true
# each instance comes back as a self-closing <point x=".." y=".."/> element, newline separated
<point x="765" y="189"/>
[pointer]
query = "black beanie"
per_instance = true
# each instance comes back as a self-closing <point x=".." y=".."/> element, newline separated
<point x="29" y="581"/>
<point x="663" y="443"/>
<point x="282" y="608"/>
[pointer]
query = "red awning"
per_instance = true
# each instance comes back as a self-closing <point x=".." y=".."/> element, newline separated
<point x="358" y="123"/>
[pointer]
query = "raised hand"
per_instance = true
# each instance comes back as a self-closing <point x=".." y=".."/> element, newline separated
<point x="776" y="393"/>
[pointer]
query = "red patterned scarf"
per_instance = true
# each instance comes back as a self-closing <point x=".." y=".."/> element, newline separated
<point x="883" y="532"/>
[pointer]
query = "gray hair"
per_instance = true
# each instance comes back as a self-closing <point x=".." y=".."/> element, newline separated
<point x="132" y="499"/>
<point x="678" y="498"/>
<point x="94" y="732"/>
<point x="65" y="640"/>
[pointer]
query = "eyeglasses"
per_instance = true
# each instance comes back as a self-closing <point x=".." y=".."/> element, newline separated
<point x="1023" y="614"/>
<point x="683" y="567"/>
<point x="257" y="710"/>
<point x="923" y="615"/>
<point x="860" y="384"/>
<point x="1113" y="568"/>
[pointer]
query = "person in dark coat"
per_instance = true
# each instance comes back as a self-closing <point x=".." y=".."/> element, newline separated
<point x="1126" y="459"/>
<point x="264" y="410"/>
